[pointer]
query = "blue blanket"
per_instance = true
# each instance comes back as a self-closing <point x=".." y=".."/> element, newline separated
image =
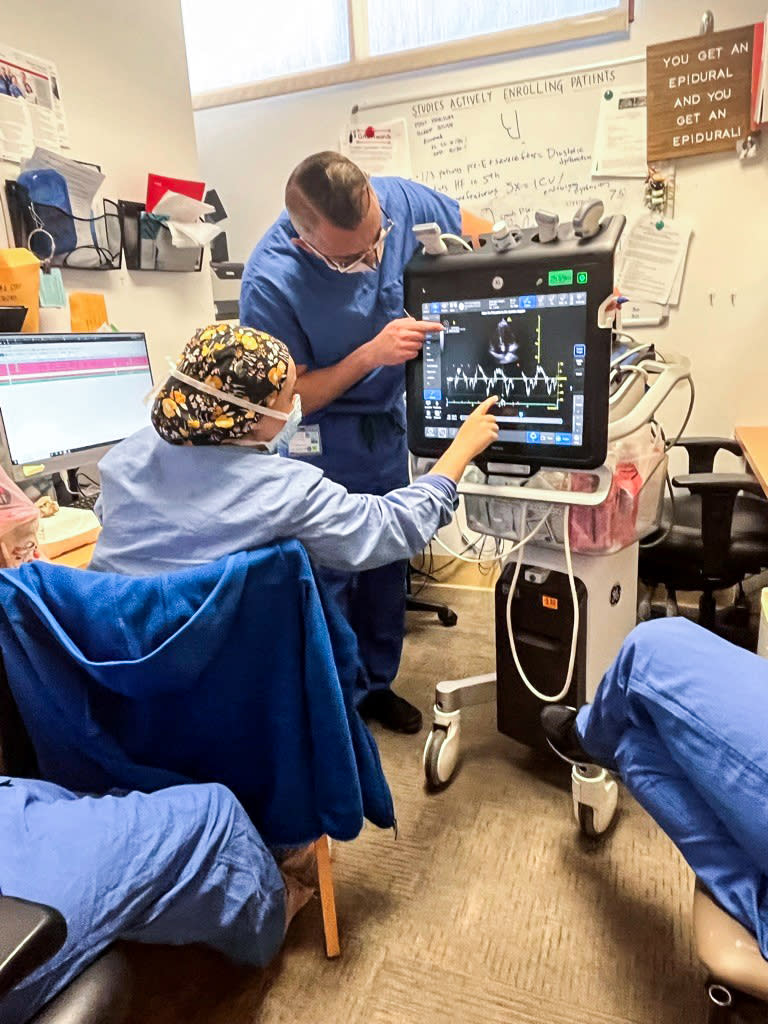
<point x="234" y="672"/>
<point x="182" y="865"/>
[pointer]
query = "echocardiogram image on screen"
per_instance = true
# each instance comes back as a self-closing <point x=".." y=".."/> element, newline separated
<point x="529" y="350"/>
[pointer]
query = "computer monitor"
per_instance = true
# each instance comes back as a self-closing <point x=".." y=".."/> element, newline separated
<point x="65" y="399"/>
<point x="522" y="325"/>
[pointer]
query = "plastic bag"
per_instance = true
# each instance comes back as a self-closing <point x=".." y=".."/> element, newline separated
<point x="18" y="525"/>
<point x="630" y="509"/>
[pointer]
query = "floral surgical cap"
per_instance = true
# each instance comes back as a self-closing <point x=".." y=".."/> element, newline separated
<point x="236" y="360"/>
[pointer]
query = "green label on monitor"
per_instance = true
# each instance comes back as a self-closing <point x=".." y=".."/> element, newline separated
<point x="558" y="277"/>
<point x="582" y="277"/>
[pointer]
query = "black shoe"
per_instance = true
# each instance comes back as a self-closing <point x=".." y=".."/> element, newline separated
<point x="391" y="711"/>
<point x="559" y="725"/>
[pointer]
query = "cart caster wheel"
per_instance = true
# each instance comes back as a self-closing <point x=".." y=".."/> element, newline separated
<point x="721" y="1004"/>
<point x="671" y="609"/>
<point x="645" y="608"/>
<point x="587" y="821"/>
<point x="447" y="617"/>
<point x="441" y="753"/>
<point x="595" y="798"/>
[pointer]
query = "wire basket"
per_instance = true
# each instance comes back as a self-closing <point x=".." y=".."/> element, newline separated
<point x="631" y="510"/>
<point x="80" y="243"/>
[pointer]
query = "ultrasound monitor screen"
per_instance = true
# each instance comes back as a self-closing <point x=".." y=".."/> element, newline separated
<point x="529" y="350"/>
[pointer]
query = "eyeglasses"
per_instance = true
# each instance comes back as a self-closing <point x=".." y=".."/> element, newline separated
<point x="350" y="263"/>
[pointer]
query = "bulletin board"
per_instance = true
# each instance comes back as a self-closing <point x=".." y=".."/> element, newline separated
<point x="507" y="150"/>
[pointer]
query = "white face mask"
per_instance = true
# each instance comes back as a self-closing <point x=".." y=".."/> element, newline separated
<point x="282" y="439"/>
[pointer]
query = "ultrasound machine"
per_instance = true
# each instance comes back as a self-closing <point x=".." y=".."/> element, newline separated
<point x="575" y="478"/>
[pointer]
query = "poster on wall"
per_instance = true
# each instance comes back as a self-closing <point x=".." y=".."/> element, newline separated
<point x="31" y="107"/>
<point x="699" y="92"/>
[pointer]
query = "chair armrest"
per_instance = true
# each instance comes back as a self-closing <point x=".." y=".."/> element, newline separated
<point x="718" y="483"/>
<point x="30" y="934"/>
<point x="702" y="451"/>
<point x="228" y="271"/>
<point x="718" y="492"/>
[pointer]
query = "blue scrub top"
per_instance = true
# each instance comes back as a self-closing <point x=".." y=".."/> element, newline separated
<point x="166" y="507"/>
<point x="323" y="315"/>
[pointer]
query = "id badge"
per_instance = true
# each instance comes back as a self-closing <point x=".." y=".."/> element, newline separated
<point x="306" y="441"/>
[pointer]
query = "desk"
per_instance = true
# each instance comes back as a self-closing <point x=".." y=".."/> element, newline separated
<point x="69" y="536"/>
<point x="754" y="443"/>
<point x="78" y="558"/>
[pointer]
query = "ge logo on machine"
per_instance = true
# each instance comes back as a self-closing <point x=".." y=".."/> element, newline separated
<point x="497" y="282"/>
<point x="615" y="594"/>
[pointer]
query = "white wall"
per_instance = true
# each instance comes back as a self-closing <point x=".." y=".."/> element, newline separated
<point x="248" y="150"/>
<point x="123" y="75"/>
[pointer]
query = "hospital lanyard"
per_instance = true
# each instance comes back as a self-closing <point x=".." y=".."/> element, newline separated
<point x="223" y="396"/>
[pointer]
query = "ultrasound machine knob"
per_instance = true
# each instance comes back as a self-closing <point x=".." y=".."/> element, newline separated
<point x="504" y="237"/>
<point x="586" y="220"/>
<point x="547" y="224"/>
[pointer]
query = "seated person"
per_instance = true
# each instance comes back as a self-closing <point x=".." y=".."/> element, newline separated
<point x="182" y="865"/>
<point x="680" y="716"/>
<point x="208" y="481"/>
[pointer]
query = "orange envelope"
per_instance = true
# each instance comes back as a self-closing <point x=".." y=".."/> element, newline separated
<point x="20" y="284"/>
<point x="88" y="311"/>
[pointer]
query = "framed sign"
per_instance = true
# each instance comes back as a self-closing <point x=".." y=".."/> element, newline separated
<point x="699" y="93"/>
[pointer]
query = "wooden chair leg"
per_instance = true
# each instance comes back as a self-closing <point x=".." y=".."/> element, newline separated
<point x="327" y="897"/>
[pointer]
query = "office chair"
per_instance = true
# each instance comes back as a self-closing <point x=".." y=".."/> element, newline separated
<point x="713" y="536"/>
<point x="225" y="270"/>
<point x="446" y="615"/>
<point x="221" y="264"/>
<point x="31" y="934"/>
<point x="338" y="801"/>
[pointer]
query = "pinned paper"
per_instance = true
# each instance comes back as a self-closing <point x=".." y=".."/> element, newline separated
<point x="17" y="137"/>
<point x="52" y="289"/>
<point x="653" y="261"/>
<point x="55" y="320"/>
<point x="20" y="284"/>
<point x="378" y="149"/>
<point x="88" y="311"/>
<point x="620" y="144"/>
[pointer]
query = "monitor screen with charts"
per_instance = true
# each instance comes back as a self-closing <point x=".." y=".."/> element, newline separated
<point x="522" y="325"/>
<point x="65" y="399"/>
<point x="529" y="350"/>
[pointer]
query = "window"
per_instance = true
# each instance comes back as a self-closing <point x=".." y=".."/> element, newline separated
<point x="244" y="49"/>
<point x="396" y="25"/>
<point x="234" y="42"/>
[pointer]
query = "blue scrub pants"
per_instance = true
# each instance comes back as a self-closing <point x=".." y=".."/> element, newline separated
<point x="369" y="455"/>
<point x="682" y="717"/>
<point x="181" y="865"/>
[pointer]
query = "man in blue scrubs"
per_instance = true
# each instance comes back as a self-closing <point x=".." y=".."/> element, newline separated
<point x="327" y="279"/>
<point x="680" y="716"/>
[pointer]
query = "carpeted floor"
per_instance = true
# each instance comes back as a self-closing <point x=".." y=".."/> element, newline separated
<point x="489" y="908"/>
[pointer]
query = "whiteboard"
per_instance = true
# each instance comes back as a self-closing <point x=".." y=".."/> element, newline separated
<point x="510" y="149"/>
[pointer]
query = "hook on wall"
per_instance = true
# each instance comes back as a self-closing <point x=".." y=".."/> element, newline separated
<point x="707" y="23"/>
